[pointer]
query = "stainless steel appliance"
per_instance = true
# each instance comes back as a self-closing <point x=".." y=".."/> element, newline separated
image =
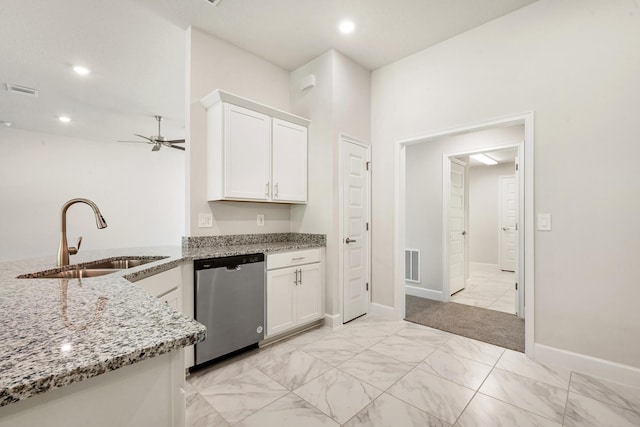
<point x="230" y="302"/>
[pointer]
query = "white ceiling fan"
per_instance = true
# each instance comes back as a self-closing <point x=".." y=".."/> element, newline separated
<point x="158" y="140"/>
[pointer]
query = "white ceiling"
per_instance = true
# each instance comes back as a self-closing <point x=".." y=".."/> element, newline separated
<point x="136" y="49"/>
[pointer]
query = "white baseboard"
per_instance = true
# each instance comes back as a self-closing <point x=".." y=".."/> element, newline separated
<point x="481" y="266"/>
<point x="333" y="321"/>
<point x="417" y="291"/>
<point x="384" y="311"/>
<point x="602" y="368"/>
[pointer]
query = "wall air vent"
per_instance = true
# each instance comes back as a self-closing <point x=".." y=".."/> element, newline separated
<point x="412" y="265"/>
<point x="23" y="90"/>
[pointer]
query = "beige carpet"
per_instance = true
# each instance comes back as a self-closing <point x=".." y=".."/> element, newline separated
<point x="494" y="327"/>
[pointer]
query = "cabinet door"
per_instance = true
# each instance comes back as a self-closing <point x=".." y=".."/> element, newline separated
<point x="247" y="154"/>
<point x="280" y="300"/>
<point x="289" y="162"/>
<point x="309" y="293"/>
<point x="173" y="299"/>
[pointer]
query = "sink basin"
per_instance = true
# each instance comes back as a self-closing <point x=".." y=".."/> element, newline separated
<point x="79" y="273"/>
<point x="121" y="263"/>
<point x="93" y="268"/>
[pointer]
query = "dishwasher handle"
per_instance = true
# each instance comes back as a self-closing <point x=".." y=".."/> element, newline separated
<point x="234" y="267"/>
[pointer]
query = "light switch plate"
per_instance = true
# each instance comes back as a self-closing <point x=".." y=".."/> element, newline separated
<point x="260" y="221"/>
<point x="544" y="222"/>
<point x="205" y="220"/>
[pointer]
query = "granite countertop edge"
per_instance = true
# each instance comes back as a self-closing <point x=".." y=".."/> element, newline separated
<point x="184" y="331"/>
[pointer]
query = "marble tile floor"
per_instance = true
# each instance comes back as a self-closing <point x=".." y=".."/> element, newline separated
<point x="375" y="372"/>
<point x="489" y="289"/>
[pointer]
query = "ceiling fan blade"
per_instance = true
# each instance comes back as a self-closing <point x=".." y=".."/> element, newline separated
<point x="176" y="141"/>
<point x="176" y="147"/>
<point x="147" y="138"/>
<point x="137" y="142"/>
<point x="156" y="147"/>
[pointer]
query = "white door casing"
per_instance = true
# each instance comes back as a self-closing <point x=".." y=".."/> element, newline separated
<point x="508" y="222"/>
<point x="355" y="239"/>
<point x="457" y="233"/>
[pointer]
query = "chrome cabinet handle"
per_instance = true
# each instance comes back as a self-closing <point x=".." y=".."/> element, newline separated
<point x="300" y="258"/>
<point x="300" y="282"/>
<point x="348" y="240"/>
<point x="275" y="190"/>
<point x="295" y="282"/>
<point x="266" y="189"/>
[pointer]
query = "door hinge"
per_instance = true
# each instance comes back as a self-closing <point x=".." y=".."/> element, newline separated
<point x="516" y="167"/>
<point x="516" y="286"/>
<point x="368" y="165"/>
<point x="367" y="286"/>
<point x="516" y="226"/>
<point x="367" y="226"/>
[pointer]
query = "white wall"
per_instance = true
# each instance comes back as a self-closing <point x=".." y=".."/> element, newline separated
<point x="215" y="64"/>
<point x="484" y="211"/>
<point x="139" y="192"/>
<point x="339" y="103"/>
<point x="424" y="195"/>
<point x="576" y="65"/>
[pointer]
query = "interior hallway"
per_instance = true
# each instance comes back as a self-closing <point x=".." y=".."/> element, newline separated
<point x="494" y="290"/>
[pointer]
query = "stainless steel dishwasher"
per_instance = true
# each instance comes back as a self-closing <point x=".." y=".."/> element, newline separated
<point x="230" y="302"/>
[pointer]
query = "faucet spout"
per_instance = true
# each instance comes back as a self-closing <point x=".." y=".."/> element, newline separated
<point x="64" y="249"/>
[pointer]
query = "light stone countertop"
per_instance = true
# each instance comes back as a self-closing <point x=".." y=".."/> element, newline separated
<point x="60" y="331"/>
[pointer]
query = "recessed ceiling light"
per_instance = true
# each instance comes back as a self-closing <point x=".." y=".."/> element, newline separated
<point x="64" y="119"/>
<point x="79" y="69"/>
<point x="6" y="124"/>
<point x="346" y="27"/>
<point x="484" y="159"/>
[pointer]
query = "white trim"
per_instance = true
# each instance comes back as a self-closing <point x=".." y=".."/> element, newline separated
<point x="417" y="291"/>
<point x="333" y="321"/>
<point x="343" y="138"/>
<point x="578" y="362"/>
<point x="383" y="311"/>
<point x="526" y="243"/>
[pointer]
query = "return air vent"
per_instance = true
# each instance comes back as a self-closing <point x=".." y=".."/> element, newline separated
<point x="412" y="265"/>
<point x="23" y="90"/>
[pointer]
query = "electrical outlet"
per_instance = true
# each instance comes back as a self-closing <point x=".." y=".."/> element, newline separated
<point x="205" y="220"/>
<point x="260" y="221"/>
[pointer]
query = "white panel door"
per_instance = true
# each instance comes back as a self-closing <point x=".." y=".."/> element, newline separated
<point x="247" y="154"/>
<point x="508" y="220"/>
<point x="289" y="162"/>
<point x="355" y="239"/>
<point x="281" y="300"/>
<point x="308" y="294"/>
<point x="457" y="262"/>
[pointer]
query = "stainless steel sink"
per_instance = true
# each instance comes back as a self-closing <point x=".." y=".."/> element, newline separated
<point x="79" y="274"/>
<point x="93" y="268"/>
<point x="121" y="263"/>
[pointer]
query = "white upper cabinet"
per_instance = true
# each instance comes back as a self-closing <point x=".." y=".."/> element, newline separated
<point x="289" y="162"/>
<point x="254" y="152"/>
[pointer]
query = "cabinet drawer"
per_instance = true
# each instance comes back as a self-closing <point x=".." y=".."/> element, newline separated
<point x="288" y="259"/>
<point x="161" y="283"/>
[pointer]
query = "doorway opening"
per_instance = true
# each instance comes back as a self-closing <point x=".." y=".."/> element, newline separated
<point x="483" y="229"/>
<point x="445" y="149"/>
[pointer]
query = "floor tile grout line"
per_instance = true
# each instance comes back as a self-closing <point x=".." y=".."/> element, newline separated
<point x="632" y="409"/>
<point x="566" y="402"/>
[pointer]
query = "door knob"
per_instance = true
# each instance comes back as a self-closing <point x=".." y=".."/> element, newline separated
<point x="464" y="233"/>
<point x="348" y="240"/>
<point x="505" y="228"/>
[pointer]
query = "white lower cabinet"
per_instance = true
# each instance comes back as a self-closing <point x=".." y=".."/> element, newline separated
<point x="295" y="290"/>
<point x="167" y="286"/>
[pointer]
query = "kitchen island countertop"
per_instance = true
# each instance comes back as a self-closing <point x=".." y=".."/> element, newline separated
<point x="60" y="331"/>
